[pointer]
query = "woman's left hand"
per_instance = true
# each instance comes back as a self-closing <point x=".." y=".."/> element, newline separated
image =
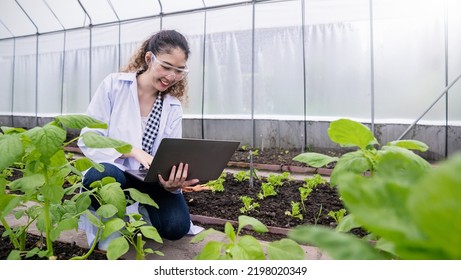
<point x="177" y="178"/>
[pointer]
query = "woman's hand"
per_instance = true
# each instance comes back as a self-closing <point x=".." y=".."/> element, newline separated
<point x="138" y="154"/>
<point x="177" y="178"/>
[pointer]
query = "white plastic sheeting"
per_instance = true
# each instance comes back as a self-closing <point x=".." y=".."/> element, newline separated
<point x="381" y="59"/>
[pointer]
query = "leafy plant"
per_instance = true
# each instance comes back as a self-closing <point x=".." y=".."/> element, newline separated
<point x="277" y="179"/>
<point x="39" y="154"/>
<point x="337" y="215"/>
<point x="217" y="185"/>
<point x="348" y="133"/>
<point x="394" y="206"/>
<point x="308" y="187"/>
<point x="248" y="204"/>
<point x="295" y="211"/>
<point x="267" y="189"/>
<point x="246" y="247"/>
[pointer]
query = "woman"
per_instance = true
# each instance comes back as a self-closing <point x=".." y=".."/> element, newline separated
<point x="142" y="105"/>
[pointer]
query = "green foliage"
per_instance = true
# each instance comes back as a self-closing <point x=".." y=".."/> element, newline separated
<point x="246" y="247"/>
<point x="277" y="179"/>
<point x="243" y="175"/>
<point x="295" y="211"/>
<point x="217" y="185"/>
<point x="267" y="189"/>
<point x="348" y="133"/>
<point x="248" y="204"/>
<point x="337" y="215"/>
<point x="39" y="155"/>
<point x="411" y="208"/>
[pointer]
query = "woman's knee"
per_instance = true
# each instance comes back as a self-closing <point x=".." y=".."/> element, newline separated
<point x="110" y="170"/>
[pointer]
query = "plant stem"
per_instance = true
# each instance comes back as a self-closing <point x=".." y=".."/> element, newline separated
<point x="13" y="238"/>
<point x="139" y="249"/>
<point x="49" y="243"/>
<point x="93" y="246"/>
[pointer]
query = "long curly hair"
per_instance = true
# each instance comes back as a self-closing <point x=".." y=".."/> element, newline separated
<point x="161" y="42"/>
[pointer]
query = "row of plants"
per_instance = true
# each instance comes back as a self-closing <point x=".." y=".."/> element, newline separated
<point x="409" y="208"/>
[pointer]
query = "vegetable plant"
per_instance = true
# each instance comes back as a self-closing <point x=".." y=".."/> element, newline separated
<point x="277" y="179"/>
<point x="246" y="247"/>
<point x="39" y="154"/>
<point x="295" y="211"/>
<point x="267" y="189"/>
<point x="248" y="204"/>
<point x="217" y="185"/>
<point x="337" y="215"/>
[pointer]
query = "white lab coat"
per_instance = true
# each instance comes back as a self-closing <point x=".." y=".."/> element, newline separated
<point x="116" y="103"/>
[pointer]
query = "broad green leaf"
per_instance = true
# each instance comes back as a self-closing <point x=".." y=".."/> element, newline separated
<point x="117" y="248"/>
<point x="14" y="255"/>
<point x="93" y="219"/>
<point x="7" y="203"/>
<point x="106" y="211"/>
<point x="347" y="223"/>
<point x="94" y="140"/>
<point x="315" y="159"/>
<point x="84" y="163"/>
<point x="379" y="205"/>
<point x="247" y="248"/>
<point x="211" y="251"/>
<point x="349" y="133"/>
<point x="12" y="130"/>
<point x="337" y="245"/>
<point x="80" y="121"/>
<point x="11" y="150"/>
<point x="112" y="226"/>
<point x="434" y="205"/>
<point x="151" y="233"/>
<point x="353" y="162"/>
<point x="410" y="145"/>
<point x="113" y="194"/>
<point x="229" y="231"/>
<point x="54" y="193"/>
<point x="58" y="159"/>
<point x="285" y="249"/>
<point x="202" y="235"/>
<point x="141" y="197"/>
<point x="48" y="140"/>
<point x="28" y="183"/>
<point x="82" y="201"/>
<point x="401" y="166"/>
<point x="250" y="221"/>
<point x="67" y="224"/>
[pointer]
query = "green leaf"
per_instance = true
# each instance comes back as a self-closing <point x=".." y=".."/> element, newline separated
<point x="141" y="197"/>
<point x="151" y="233"/>
<point x="112" y="226"/>
<point x="106" y="211"/>
<point x="113" y="194"/>
<point x="337" y="245"/>
<point x="353" y="162"/>
<point x="347" y="223"/>
<point x="48" y="140"/>
<point x="117" y="248"/>
<point x="12" y="130"/>
<point x="211" y="251"/>
<point x="82" y="201"/>
<point x="229" y="231"/>
<point x="202" y="235"/>
<point x="250" y="221"/>
<point x="315" y="159"/>
<point x="410" y="145"/>
<point x="285" y="249"/>
<point x="80" y="121"/>
<point x="28" y="183"/>
<point x="7" y="203"/>
<point x="93" y="219"/>
<point x="11" y="150"/>
<point x="434" y="205"/>
<point x="350" y="133"/>
<point x="247" y="248"/>
<point x="84" y="163"/>
<point x="94" y="140"/>
<point x="54" y="193"/>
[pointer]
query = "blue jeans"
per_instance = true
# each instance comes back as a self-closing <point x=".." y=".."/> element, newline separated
<point x="171" y="219"/>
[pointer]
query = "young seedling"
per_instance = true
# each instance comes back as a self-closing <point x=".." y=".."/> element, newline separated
<point x="267" y="189"/>
<point x="295" y="211"/>
<point x="246" y="247"/>
<point x="217" y="185"/>
<point x="248" y="204"/>
<point x="337" y="215"/>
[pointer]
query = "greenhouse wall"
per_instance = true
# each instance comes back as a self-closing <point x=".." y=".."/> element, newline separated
<point x="265" y="73"/>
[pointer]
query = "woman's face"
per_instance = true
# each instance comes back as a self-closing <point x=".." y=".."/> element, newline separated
<point x="166" y="69"/>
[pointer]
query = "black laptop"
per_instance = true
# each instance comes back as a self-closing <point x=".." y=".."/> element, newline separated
<point x="206" y="158"/>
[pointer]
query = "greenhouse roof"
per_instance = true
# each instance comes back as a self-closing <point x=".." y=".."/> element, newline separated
<point x="29" y="17"/>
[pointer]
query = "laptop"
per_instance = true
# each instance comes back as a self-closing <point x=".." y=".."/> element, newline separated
<point x="206" y="158"/>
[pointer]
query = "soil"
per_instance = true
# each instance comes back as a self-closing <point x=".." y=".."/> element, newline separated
<point x="226" y="205"/>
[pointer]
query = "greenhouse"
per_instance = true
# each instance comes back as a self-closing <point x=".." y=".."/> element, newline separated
<point x="231" y="130"/>
<point x="266" y="73"/>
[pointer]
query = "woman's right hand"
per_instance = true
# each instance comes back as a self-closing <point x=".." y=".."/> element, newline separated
<point x="138" y="154"/>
